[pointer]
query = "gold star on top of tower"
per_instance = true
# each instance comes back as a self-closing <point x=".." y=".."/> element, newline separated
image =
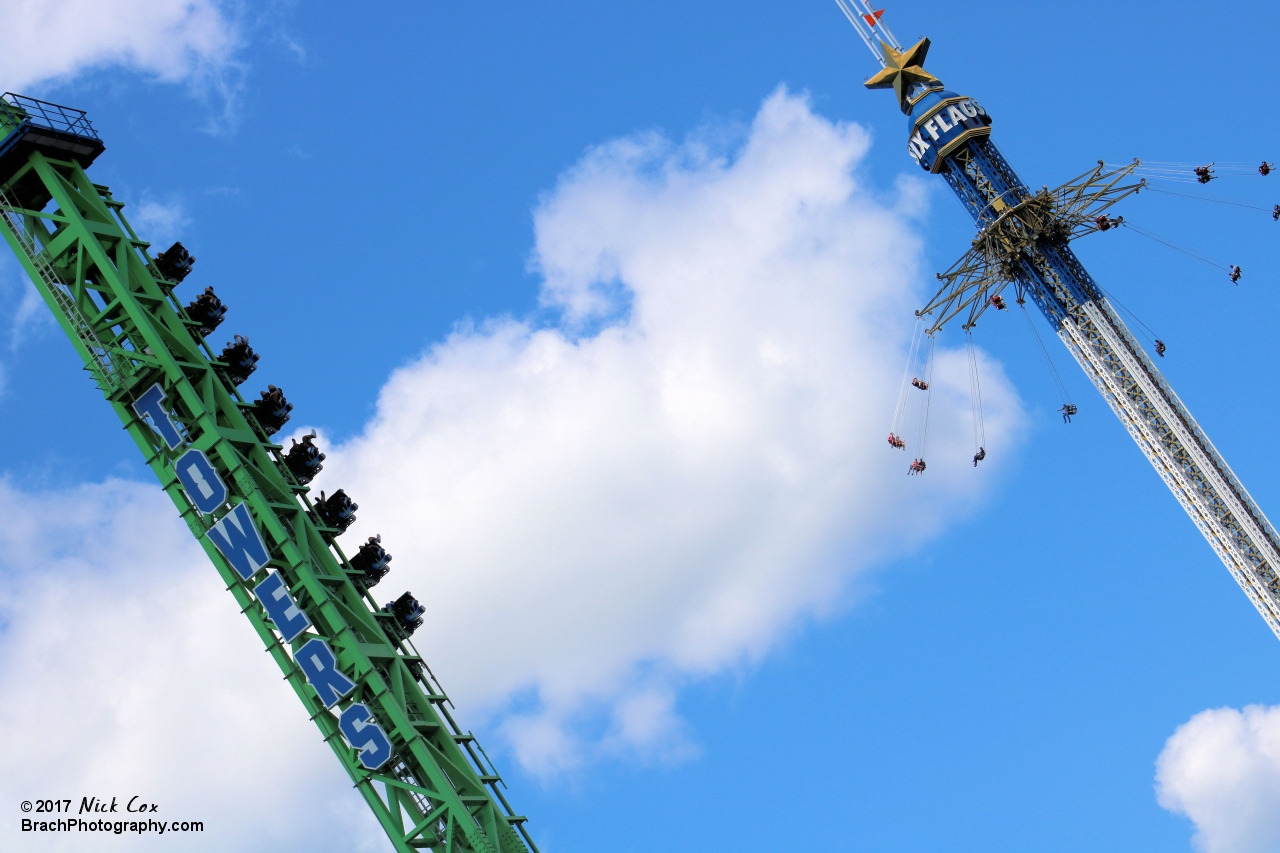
<point x="901" y="69"/>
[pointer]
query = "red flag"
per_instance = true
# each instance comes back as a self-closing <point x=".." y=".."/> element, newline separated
<point x="873" y="18"/>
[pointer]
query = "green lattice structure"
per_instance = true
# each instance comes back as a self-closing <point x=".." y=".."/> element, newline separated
<point x="438" y="789"/>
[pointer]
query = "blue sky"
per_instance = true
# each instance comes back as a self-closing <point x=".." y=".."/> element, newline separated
<point x="984" y="662"/>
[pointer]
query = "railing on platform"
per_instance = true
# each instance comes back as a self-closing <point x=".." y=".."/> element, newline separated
<point x="50" y="115"/>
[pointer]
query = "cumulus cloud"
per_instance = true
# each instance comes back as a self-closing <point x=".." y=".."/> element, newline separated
<point x="126" y="669"/>
<point x="29" y="313"/>
<point x="1222" y="770"/>
<point x="172" y="40"/>
<point x="656" y="488"/>
<point x="22" y="311"/>
<point x="162" y="222"/>
<point x="662" y="484"/>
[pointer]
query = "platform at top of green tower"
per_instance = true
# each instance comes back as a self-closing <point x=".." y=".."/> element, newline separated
<point x="61" y="133"/>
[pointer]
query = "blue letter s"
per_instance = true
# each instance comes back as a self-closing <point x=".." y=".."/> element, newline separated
<point x="363" y="733"/>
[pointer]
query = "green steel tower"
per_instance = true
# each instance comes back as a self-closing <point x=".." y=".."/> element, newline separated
<point x="351" y="663"/>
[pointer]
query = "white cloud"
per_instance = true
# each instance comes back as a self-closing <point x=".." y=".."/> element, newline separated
<point x="162" y="222"/>
<point x="594" y="514"/>
<point x="173" y="40"/>
<point x="127" y="669"/>
<point x="22" y="311"/>
<point x="30" y="312"/>
<point x="662" y="487"/>
<point x="1222" y="770"/>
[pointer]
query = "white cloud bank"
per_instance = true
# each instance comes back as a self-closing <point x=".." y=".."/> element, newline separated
<point x="1222" y="770"/>
<point x="173" y="40"/>
<point x="162" y="222"/>
<point x="591" y="520"/>
<point x="126" y="669"/>
<point x="657" y="490"/>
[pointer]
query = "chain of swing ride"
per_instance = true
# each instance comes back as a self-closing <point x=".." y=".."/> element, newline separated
<point x="911" y="415"/>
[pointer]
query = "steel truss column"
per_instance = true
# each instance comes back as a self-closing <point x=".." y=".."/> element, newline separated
<point x="1166" y="433"/>
<point x="1047" y="270"/>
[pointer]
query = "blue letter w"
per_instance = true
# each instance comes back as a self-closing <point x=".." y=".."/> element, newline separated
<point x="238" y="540"/>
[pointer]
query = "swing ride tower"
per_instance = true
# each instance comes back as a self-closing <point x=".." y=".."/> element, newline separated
<point x="1023" y="242"/>
<point x="351" y="664"/>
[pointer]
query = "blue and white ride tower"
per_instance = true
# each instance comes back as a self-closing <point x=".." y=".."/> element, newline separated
<point x="1023" y="241"/>
<point x="950" y="135"/>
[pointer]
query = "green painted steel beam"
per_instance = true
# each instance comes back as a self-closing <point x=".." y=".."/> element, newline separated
<point x="437" y="790"/>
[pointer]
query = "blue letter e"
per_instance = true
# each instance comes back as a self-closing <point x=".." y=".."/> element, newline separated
<point x="363" y="733"/>
<point x="280" y="606"/>
<point x="201" y="481"/>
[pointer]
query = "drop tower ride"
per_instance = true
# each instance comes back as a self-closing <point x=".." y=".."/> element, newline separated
<point x="1023" y="242"/>
<point x="352" y="664"/>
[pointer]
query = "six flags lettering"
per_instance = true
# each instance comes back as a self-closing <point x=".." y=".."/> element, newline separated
<point x="237" y="538"/>
<point x="945" y="125"/>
